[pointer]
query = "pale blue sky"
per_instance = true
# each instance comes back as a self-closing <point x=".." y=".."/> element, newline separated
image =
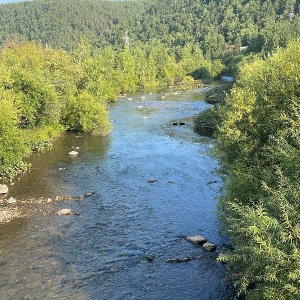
<point x="8" y="1"/>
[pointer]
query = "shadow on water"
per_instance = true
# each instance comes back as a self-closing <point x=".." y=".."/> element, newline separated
<point x="152" y="186"/>
<point x="38" y="182"/>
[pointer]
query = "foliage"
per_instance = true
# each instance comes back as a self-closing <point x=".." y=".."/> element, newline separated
<point x="217" y="94"/>
<point x="12" y="145"/>
<point x="187" y="84"/>
<point x="218" y="28"/>
<point x="38" y="87"/>
<point x="208" y="121"/>
<point x="84" y="113"/>
<point x="259" y="150"/>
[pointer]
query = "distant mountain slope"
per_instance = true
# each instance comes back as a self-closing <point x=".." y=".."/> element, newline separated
<point x="261" y="25"/>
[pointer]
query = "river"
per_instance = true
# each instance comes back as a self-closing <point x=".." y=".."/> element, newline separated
<point x="153" y="183"/>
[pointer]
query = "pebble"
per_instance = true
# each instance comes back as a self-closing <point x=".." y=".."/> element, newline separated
<point x="11" y="200"/>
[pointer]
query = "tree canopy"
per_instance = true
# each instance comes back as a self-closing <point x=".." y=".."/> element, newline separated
<point x="217" y="26"/>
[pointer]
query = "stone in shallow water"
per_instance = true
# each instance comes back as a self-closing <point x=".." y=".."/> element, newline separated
<point x="3" y="189"/>
<point x="152" y="180"/>
<point x="73" y="153"/>
<point x="11" y="200"/>
<point x="210" y="246"/>
<point x="196" y="239"/>
<point x="65" y="212"/>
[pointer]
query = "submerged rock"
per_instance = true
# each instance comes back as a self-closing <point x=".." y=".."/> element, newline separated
<point x="178" y="260"/>
<point x="3" y="189"/>
<point x="7" y="215"/>
<point x="67" y="212"/>
<point x="149" y="257"/>
<point x="152" y="180"/>
<point x="196" y="239"/>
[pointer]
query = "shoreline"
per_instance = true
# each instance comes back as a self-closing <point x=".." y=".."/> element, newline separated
<point x="26" y="207"/>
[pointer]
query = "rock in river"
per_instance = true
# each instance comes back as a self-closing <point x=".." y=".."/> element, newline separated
<point x="3" y="189"/>
<point x="73" y="153"/>
<point x="210" y="246"/>
<point x="152" y="180"/>
<point x="67" y="212"/>
<point x="11" y="200"/>
<point x="196" y="239"/>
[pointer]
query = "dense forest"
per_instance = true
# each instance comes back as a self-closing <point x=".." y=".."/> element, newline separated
<point x="216" y="26"/>
<point x="62" y="62"/>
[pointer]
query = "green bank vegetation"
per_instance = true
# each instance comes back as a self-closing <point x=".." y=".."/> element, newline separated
<point x="42" y="92"/>
<point x="258" y="145"/>
<point x="208" y="121"/>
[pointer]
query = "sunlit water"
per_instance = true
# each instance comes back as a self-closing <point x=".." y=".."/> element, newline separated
<point x="101" y="254"/>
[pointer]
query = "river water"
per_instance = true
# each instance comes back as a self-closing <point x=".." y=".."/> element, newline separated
<point x="102" y="252"/>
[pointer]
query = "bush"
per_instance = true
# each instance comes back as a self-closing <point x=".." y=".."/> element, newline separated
<point x="218" y="94"/>
<point x="42" y="90"/>
<point x="84" y="113"/>
<point x="207" y="122"/>
<point x="13" y="149"/>
<point x="258" y="146"/>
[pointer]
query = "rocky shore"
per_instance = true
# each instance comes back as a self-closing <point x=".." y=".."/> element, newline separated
<point x="11" y="208"/>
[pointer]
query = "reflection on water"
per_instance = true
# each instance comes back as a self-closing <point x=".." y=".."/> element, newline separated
<point x="38" y="181"/>
<point x="101" y="254"/>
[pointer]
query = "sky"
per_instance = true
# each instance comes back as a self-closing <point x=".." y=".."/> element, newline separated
<point x="9" y="1"/>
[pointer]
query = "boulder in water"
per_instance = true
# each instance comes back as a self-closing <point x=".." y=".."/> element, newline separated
<point x="196" y="239"/>
<point x="152" y="180"/>
<point x="65" y="212"/>
<point x="209" y="246"/>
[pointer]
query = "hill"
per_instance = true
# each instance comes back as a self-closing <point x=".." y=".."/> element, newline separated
<point x="217" y="26"/>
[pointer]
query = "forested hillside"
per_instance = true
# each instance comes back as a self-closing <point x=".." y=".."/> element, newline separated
<point x="218" y="26"/>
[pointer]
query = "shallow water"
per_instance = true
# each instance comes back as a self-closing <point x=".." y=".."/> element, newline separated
<point x="101" y="254"/>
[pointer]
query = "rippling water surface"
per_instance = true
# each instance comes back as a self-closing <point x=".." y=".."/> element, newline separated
<point x="101" y="254"/>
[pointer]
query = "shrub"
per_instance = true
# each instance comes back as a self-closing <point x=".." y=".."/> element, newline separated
<point x="258" y="146"/>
